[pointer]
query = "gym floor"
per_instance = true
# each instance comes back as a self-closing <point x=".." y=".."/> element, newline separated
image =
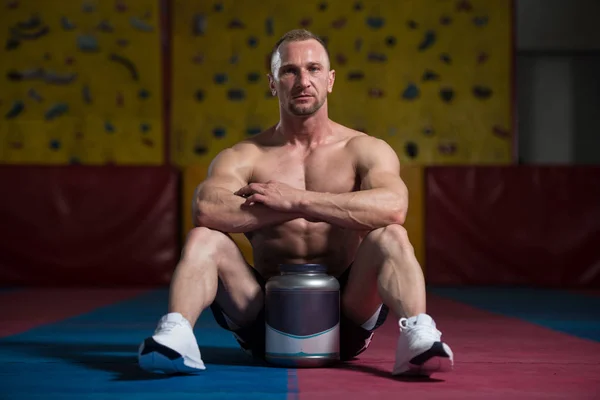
<point x="512" y="343"/>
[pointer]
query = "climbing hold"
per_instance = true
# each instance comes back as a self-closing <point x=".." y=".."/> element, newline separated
<point x="105" y="26"/>
<point x="109" y="127"/>
<point x="411" y="149"/>
<point x="88" y="7"/>
<point x="145" y="127"/>
<point x="375" y="22"/>
<point x="198" y="58"/>
<point x="56" y="110"/>
<point x="148" y="142"/>
<point x="12" y="4"/>
<point x="390" y="41"/>
<point x="269" y="26"/>
<point x="55" y="144"/>
<point x="430" y="75"/>
<point x="322" y="6"/>
<point x="120" y="99"/>
<point x="67" y="24"/>
<point x="481" y="20"/>
<point x="376" y="93"/>
<point x="74" y="160"/>
<point x="86" y="94"/>
<point x="219" y="132"/>
<point x="12" y="43"/>
<point x="200" y="149"/>
<point x="428" y="131"/>
<point x="500" y="132"/>
<point x="35" y="95"/>
<point x="120" y="6"/>
<point x="236" y="94"/>
<point x="126" y="63"/>
<point x="411" y="92"/>
<point x="341" y="59"/>
<point x="15" y="109"/>
<point x="377" y="57"/>
<point x="236" y="23"/>
<point x="218" y="7"/>
<point x="339" y="23"/>
<point x="446" y="59"/>
<point x="122" y="42"/>
<point x="220" y="78"/>
<point x="482" y="57"/>
<point x="412" y="24"/>
<point x="358" y="6"/>
<point x="252" y="41"/>
<point x="253" y="130"/>
<point x="428" y="40"/>
<point x="198" y="25"/>
<point x="140" y="25"/>
<point x="355" y="75"/>
<point x="69" y="60"/>
<point x="464" y="5"/>
<point x="16" y="145"/>
<point x="234" y="59"/>
<point x="58" y="79"/>
<point x="447" y="94"/>
<point x="447" y="148"/>
<point x="305" y="22"/>
<point x="482" y="92"/>
<point x="358" y="44"/>
<point x="143" y="94"/>
<point x="253" y="77"/>
<point x="87" y="43"/>
<point x="445" y="20"/>
<point x="199" y="95"/>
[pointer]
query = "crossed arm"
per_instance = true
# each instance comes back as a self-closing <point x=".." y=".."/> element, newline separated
<point x="226" y="202"/>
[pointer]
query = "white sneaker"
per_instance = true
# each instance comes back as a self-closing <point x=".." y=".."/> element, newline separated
<point x="172" y="349"/>
<point x="420" y="349"/>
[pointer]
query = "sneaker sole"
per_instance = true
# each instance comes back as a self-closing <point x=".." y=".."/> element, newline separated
<point x="154" y="357"/>
<point x="438" y="358"/>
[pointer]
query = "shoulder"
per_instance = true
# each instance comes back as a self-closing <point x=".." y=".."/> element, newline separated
<point x="241" y="154"/>
<point x="366" y="147"/>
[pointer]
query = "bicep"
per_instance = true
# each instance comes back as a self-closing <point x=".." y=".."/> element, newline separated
<point x="379" y="167"/>
<point x="227" y="171"/>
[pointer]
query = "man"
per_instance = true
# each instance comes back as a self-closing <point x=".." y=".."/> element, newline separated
<point x="306" y="190"/>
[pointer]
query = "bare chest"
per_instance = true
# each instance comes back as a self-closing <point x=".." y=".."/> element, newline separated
<point x="322" y="171"/>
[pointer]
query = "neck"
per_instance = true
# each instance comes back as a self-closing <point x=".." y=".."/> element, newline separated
<point x="307" y="131"/>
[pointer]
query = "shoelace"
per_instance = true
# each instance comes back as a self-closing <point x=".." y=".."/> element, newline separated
<point x="423" y="331"/>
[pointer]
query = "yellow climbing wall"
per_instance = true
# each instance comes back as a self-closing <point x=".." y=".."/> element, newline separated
<point x="432" y="77"/>
<point x="81" y="82"/>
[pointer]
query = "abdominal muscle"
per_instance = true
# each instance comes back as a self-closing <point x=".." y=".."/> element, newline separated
<point x="302" y="242"/>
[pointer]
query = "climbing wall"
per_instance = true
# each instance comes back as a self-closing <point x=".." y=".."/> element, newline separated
<point x="432" y="77"/>
<point x="81" y="82"/>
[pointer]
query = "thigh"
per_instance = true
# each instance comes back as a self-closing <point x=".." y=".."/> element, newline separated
<point x="240" y="292"/>
<point x="360" y="294"/>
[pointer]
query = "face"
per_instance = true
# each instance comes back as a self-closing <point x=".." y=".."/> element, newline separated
<point x="300" y="77"/>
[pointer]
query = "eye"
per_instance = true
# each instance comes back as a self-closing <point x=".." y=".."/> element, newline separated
<point x="314" y="68"/>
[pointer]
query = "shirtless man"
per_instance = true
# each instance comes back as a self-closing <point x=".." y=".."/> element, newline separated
<point x="307" y="190"/>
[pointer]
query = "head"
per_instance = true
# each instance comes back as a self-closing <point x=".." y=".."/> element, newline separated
<point x="300" y="73"/>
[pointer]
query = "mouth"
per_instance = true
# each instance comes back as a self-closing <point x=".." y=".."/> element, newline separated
<point x="302" y="96"/>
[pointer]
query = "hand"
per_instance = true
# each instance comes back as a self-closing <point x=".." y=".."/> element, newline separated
<point x="276" y="195"/>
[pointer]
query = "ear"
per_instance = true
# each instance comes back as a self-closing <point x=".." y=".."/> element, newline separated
<point x="272" y="84"/>
<point x="331" y="80"/>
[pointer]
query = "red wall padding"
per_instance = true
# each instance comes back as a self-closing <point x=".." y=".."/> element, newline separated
<point x="88" y="225"/>
<point x="536" y="226"/>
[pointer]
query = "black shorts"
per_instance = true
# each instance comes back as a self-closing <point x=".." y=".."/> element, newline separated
<point x="354" y="339"/>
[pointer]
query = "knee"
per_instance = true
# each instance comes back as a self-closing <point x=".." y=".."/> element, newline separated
<point x="204" y="242"/>
<point x="391" y="235"/>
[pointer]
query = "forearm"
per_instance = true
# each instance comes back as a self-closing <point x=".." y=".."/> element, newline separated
<point x="223" y="211"/>
<point x="361" y="210"/>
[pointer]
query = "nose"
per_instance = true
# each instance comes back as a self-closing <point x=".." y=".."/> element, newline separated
<point x="303" y="79"/>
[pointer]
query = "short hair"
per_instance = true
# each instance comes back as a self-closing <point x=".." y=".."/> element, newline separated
<point x="296" y="35"/>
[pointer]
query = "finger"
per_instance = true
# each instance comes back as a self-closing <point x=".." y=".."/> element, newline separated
<point x="244" y="191"/>
<point x="255" y="198"/>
